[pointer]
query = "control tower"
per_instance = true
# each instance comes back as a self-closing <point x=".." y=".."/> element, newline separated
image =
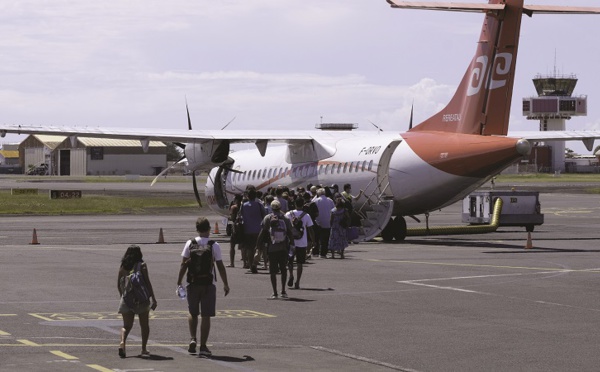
<point x="553" y="106"/>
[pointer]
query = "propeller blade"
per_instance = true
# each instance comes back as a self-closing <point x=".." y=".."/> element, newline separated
<point x="195" y="184"/>
<point x="230" y="121"/>
<point x="188" y="115"/>
<point x="164" y="171"/>
<point x="231" y="169"/>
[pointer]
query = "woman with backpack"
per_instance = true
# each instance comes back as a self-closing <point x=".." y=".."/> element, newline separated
<point x="137" y="296"/>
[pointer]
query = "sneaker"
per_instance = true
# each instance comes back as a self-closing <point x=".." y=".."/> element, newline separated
<point x="273" y="296"/>
<point x="192" y="347"/>
<point x="284" y="294"/>
<point x="290" y="282"/>
<point x="204" y="351"/>
<point x="297" y="285"/>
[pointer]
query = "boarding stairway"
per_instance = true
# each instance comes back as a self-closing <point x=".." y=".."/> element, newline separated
<point x="375" y="212"/>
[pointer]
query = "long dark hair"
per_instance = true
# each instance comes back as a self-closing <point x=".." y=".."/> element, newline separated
<point x="131" y="257"/>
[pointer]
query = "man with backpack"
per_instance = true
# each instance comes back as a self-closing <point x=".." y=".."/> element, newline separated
<point x="301" y="229"/>
<point x="199" y="258"/>
<point x="277" y="230"/>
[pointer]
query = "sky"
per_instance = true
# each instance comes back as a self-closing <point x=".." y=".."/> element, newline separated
<point x="265" y="64"/>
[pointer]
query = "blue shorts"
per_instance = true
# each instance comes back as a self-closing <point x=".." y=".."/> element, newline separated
<point x="202" y="299"/>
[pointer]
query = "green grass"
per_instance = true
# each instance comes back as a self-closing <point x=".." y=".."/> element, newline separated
<point x="88" y="204"/>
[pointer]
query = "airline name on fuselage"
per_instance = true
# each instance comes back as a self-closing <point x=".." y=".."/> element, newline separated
<point x="451" y="117"/>
<point x="372" y="150"/>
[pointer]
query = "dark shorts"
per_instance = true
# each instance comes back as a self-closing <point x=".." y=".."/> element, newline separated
<point x="202" y="299"/>
<point x="300" y="255"/>
<point x="278" y="261"/>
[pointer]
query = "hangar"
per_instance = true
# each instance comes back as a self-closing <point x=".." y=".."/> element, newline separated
<point x="80" y="156"/>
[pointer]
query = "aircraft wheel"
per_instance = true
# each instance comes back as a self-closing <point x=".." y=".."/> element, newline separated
<point x="399" y="228"/>
<point x="387" y="234"/>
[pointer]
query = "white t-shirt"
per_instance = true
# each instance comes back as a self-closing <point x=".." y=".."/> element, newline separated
<point x="306" y="221"/>
<point x="216" y="248"/>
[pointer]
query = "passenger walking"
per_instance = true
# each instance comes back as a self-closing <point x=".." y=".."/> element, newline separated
<point x="340" y="221"/>
<point x="323" y="221"/>
<point x="137" y="296"/>
<point x="301" y="244"/>
<point x="278" y="230"/>
<point x="253" y="213"/>
<point x="199" y="257"/>
<point x="236" y="235"/>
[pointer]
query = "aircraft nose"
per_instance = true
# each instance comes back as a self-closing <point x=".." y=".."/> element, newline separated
<point x="523" y="147"/>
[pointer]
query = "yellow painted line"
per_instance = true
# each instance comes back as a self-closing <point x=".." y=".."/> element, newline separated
<point x="63" y="355"/>
<point x="99" y="368"/>
<point x="492" y="266"/>
<point x="2" y="333"/>
<point x="28" y="343"/>
<point x="157" y="315"/>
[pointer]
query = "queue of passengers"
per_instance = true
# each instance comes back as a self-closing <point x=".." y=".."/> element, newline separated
<point x="326" y="215"/>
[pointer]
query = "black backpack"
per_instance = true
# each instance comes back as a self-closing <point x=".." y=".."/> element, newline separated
<point x="201" y="264"/>
<point x="297" y="225"/>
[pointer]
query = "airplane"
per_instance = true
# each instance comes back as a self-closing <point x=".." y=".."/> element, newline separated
<point x="430" y="166"/>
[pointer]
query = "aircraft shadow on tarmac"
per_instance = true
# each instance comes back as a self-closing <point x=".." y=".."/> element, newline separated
<point x="518" y="247"/>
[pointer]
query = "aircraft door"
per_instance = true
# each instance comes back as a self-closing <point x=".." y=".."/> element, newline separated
<point x="383" y="170"/>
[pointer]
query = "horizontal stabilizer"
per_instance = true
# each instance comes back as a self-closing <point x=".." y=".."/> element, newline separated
<point x="453" y="7"/>
<point x="556" y="9"/>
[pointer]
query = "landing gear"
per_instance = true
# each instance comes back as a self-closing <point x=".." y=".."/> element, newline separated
<point x="395" y="229"/>
<point x="399" y="228"/>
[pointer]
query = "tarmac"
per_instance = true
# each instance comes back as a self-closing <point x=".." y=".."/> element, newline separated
<point x="443" y="303"/>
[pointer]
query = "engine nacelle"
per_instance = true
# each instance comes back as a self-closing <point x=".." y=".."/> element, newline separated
<point x="207" y="154"/>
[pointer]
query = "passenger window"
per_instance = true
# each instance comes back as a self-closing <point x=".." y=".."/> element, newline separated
<point x="351" y="167"/>
<point x="364" y="166"/>
<point x="345" y="167"/>
<point x="339" y="168"/>
<point x="269" y="173"/>
<point x="370" y="166"/>
<point x="327" y="168"/>
<point x="357" y="165"/>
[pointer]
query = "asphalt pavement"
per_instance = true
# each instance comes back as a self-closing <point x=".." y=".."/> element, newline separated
<point x="444" y="303"/>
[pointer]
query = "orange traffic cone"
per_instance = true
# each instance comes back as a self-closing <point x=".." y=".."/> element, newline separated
<point x="34" y="239"/>
<point x="216" y="228"/>
<point x="529" y="245"/>
<point x="161" y="238"/>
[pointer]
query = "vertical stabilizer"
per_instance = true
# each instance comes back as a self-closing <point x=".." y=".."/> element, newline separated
<point x="481" y="104"/>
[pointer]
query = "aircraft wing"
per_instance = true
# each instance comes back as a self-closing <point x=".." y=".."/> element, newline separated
<point x="167" y="135"/>
<point x="586" y="136"/>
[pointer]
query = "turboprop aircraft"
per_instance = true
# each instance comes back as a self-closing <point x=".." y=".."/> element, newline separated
<point x="432" y="165"/>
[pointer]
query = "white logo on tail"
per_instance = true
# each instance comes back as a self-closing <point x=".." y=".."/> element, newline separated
<point x="480" y="72"/>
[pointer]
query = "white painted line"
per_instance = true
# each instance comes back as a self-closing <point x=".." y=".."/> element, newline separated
<point x="440" y="287"/>
<point x="363" y="359"/>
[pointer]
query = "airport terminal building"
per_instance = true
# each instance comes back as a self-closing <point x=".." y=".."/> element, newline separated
<point x="83" y="156"/>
